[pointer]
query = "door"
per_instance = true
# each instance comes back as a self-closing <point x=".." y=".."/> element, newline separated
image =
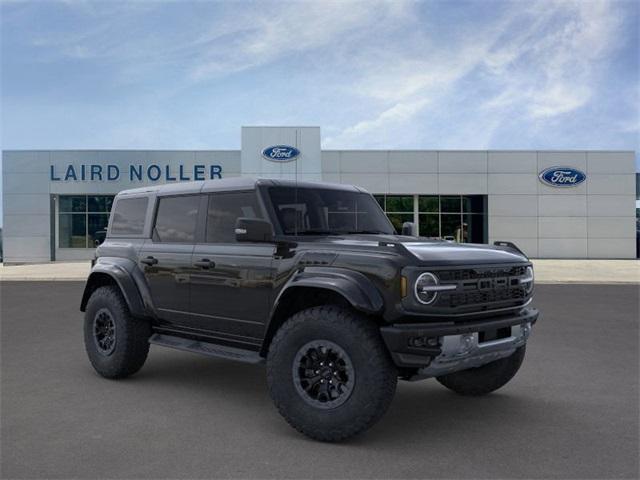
<point x="166" y="258"/>
<point x="231" y="287"/>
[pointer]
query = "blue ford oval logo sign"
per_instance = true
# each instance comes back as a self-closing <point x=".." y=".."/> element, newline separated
<point x="562" y="177"/>
<point x="281" y="153"/>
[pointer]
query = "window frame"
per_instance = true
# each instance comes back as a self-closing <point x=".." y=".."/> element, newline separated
<point x="204" y="214"/>
<point x="197" y="234"/>
<point x="418" y="213"/>
<point x="86" y="212"/>
<point x="143" y="234"/>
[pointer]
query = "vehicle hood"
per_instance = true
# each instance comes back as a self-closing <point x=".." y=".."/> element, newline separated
<point x="470" y="253"/>
<point x="433" y="252"/>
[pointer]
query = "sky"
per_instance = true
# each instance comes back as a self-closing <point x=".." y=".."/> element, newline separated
<point x="395" y="75"/>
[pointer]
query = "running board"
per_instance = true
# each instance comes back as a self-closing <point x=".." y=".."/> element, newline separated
<point x="205" y="348"/>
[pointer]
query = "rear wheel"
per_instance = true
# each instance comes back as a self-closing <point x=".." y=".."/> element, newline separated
<point x="117" y="344"/>
<point x="484" y="379"/>
<point x="329" y="373"/>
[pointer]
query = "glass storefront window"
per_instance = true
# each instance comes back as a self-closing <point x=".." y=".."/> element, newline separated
<point x="451" y="204"/>
<point x="73" y="230"/>
<point x="450" y="227"/>
<point x="474" y="204"/>
<point x="100" y="203"/>
<point x="97" y="228"/>
<point x="73" y="203"/>
<point x="397" y="219"/>
<point x="428" y="204"/>
<point x="83" y="220"/>
<point x="460" y="218"/>
<point x="429" y="225"/>
<point x="399" y="204"/>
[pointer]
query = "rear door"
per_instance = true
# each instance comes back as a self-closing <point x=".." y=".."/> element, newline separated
<point x="230" y="288"/>
<point x="166" y="258"/>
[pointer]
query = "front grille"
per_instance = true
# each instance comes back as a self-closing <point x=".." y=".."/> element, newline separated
<point x="483" y="287"/>
<point x="474" y="298"/>
<point x="476" y="273"/>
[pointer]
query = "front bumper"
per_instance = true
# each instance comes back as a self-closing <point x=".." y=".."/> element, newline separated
<point x="435" y="349"/>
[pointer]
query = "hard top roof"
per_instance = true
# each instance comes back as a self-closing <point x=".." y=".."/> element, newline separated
<point x="231" y="184"/>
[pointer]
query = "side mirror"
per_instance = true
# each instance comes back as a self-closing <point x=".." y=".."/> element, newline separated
<point x="253" y="230"/>
<point x="408" y="228"/>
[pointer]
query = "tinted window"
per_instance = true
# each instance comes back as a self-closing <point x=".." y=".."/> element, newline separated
<point x="128" y="216"/>
<point x="311" y="211"/>
<point x="224" y="210"/>
<point x="176" y="219"/>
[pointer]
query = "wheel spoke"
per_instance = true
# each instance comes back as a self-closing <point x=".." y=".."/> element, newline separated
<point x="324" y="375"/>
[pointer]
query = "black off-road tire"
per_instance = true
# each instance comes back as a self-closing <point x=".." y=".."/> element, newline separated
<point x="374" y="374"/>
<point x="484" y="379"/>
<point x="131" y="346"/>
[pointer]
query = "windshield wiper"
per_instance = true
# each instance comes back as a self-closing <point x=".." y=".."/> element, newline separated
<point x="369" y="232"/>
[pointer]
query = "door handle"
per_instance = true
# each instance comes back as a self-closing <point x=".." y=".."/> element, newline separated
<point x="149" y="261"/>
<point x="204" y="263"/>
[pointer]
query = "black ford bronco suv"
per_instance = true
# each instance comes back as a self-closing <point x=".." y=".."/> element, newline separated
<point x="312" y="280"/>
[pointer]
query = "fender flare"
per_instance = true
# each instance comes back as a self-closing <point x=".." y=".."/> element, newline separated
<point x="123" y="272"/>
<point x="355" y="287"/>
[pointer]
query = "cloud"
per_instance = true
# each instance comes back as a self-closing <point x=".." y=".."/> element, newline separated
<point x="538" y="60"/>
<point x="395" y="74"/>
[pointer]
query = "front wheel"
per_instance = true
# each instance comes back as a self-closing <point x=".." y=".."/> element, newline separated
<point x="484" y="379"/>
<point x="329" y="373"/>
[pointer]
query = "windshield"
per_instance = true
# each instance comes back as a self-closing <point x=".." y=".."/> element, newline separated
<point x="309" y="211"/>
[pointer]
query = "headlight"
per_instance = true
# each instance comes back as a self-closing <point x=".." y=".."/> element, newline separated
<point x="427" y="287"/>
<point x="527" y="281"/>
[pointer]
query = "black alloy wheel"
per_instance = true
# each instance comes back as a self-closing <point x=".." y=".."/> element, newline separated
<point x="104" y="332"/>
<point x="323" y="374"/>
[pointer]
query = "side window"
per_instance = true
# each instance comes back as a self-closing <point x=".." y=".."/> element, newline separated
<point x="176" y="219"/>
<point x="129" y="215"/>
<point x="224" y="210"/>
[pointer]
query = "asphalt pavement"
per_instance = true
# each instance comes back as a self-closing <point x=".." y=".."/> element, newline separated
<point x="571" y="412"/>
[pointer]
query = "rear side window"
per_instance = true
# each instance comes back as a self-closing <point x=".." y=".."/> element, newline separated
<point x="128" y="216"/>
<point x="224" y="210"/>
<point x="176" y="219"/>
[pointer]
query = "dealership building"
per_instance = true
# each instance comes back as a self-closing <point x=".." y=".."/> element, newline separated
<point x="552" y="204"/>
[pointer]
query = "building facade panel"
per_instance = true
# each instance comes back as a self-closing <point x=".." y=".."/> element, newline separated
<point x="612" y="227"/>
<point x="513" y="227"/>
<point x="364" y="162"/>
<point x="608" y="184"/>
<point x="562" y="227"/>
<point x="21" y="225"/>
<point x="575" y="159"/>
<point x="611" y="162"/>
<point x="412" y="183"/>
<point x="562" y="206"/>
<point x="512" y="183"/>
<point x="562" y="248"/>
<point x="610" y="247"/>
<point x="611" y="205"/>
<point x="513" y="205"/>
<point x="413" y="162"/>
<point x="512" y="162"/>
<point x="373" y="182"/>
<point x="461" y="183"/>
<point x="56" y="203"/>
<point x="462" y="162"/>
<point x="29" y="249"/>
<point x="21" y="183"/>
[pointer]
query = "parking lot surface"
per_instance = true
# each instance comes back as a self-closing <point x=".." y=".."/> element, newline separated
<point x="571" y="412"/>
